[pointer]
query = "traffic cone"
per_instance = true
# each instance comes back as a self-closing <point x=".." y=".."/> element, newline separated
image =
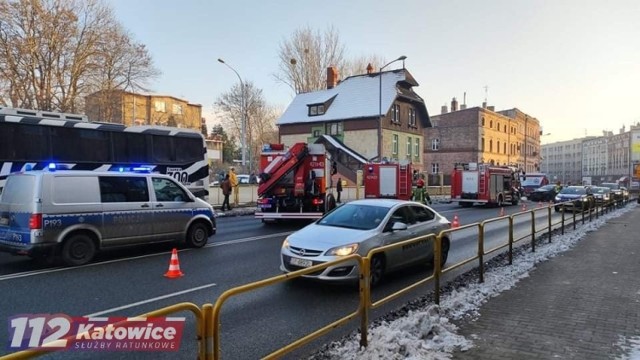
<point x="455" y="222"/>
<point x="174" y="266"/>
<point x="524" y="207"/>
<point x="501" y="211"/>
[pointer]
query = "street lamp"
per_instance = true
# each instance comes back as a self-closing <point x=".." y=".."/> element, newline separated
<point x="243" y="120"/>
<point x="380" y="106"/>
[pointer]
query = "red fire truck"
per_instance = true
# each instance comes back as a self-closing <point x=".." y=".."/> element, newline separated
<point x="482" y="183"/>
<point x="294" y="182"/>
<point x="388" y="180"/>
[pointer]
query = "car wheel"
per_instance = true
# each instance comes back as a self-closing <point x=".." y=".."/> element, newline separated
<point x="376" y="270"/>
<point x="444" y="255"/>
<point x="198" y="235"/>
<point x="78" y="250"/>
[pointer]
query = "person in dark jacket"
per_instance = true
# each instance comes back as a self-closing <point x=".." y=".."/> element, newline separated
<point x="225" y="185"/>
<point x="339" y="188"/>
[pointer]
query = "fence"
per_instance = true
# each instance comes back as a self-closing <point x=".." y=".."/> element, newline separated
<point x="208" y="317"/>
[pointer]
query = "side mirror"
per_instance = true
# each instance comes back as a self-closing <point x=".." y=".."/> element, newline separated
<point x="398" y="226"/>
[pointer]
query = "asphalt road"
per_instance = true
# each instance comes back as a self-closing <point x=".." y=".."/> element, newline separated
<point x="130" y="282"/>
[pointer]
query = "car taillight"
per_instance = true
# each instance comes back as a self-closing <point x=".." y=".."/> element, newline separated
<point x="317" y="201"/>
<point x="35" y="222"/>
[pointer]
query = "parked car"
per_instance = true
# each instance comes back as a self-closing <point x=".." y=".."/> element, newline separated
<point x="619" y="192"/>
<point x="544" y="193"/>
<point x="574" y="198"/>
<point x="601" y="194"/>
<point x="360" y="226"/>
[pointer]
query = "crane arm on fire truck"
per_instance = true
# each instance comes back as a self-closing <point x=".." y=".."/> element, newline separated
<point x="282" y="167"/>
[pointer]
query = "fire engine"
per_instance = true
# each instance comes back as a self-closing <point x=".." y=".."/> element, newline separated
<point x="295" y="182"/>
<point x="483" y="183"/>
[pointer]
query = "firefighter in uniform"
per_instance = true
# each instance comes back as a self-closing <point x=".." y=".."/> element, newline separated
<point x="420" y="193"/>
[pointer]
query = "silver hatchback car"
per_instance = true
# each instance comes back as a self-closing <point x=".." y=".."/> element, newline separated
<point x="360" y="226"/>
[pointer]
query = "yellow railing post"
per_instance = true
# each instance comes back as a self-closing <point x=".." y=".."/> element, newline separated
<point x="533" y="231"/>
<point x="481" y="252"/>
<point x="549" y="218"/>
<point x="511" y="240"/>
<point x="207" y="349"/>
<point x="437" y="266"/>
<point x="365" y="298"/>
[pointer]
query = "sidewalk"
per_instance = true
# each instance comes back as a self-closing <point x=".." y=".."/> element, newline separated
<point x="583" y="304"/>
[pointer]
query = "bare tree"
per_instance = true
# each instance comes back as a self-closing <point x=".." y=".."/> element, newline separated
<point x="305" y="57"/>
<point x="260" y="118"/>
<point x="359" y="65"/>
<point x="55" y="52"/>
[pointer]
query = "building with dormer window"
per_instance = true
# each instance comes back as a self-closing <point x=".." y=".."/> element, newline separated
<point x="375" y="115"/>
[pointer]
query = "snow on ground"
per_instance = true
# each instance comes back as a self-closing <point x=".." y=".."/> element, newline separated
<point x="427" y="333"/>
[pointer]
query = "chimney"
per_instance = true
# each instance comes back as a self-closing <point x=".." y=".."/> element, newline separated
<point x="454" y="105"/>
<point x="484" y="104"/>
<point x="332" y="77"/>
<point x="369" y="68"/>
<point x="443" y="109"/>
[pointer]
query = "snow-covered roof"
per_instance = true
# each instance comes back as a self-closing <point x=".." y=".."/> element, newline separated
<point x="355" y="97"/>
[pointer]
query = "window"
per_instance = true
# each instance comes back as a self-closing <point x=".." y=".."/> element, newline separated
<point x="504" y="148"/>
<point x="395" y="144"/>
<point x="334" y="128"/>
<point x="491" y="124"/>
<point x="490" y="145"/>
<point x="435" y="168"/>
<point x="435" y="144"/>
<point x="482" y="145"/>
<point x="123" y="189"/>
<point x="160" y="106"/>
<point x="316" y="133"/>
<point x="72" y="144"/>
<point x="177" y="109"/>
<point x="422" y="214"/>
<point x="167" y="190"/>
<point x="416" y="152"/>
<point x="409" y="148"/>
<point x="412" y="117"/>
<point x="395" y="113"/>
<point x="317" y="109"/>
<point x="482" y="121"/>
<point x="498" y="147"/>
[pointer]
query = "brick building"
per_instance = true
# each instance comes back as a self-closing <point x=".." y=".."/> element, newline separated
<point x="482" y="135"/>
<point x="129" y="108"/>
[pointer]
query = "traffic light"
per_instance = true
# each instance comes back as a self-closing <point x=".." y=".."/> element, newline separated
<point x="334" y="168"/>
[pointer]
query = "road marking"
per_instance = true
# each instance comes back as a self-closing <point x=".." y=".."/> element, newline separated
<point x="58" y="269"/>
<point x="149" y="300"/>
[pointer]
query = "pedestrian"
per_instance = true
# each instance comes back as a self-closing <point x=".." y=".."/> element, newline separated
<point x="225" y="185"/>
<point x="233" y="179"/>
<point x="339" y="188"/>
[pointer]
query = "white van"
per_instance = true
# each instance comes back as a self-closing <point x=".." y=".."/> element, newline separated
<point x="74" y="214"/>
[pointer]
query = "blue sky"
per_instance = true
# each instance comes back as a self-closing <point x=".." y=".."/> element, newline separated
<point x="573" y="64"/>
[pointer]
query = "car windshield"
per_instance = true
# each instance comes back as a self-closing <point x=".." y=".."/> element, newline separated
<point x="574" y="190"/>
<point x="352" y="216"/>
<point x="546" y="188"/>
<point x="600" y="190"/>
<point x="531" y="181"/>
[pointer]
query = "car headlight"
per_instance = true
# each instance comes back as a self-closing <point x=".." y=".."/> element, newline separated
<point x="343" y="250"/>
<point x="585" y="199"/>
<point x="558" y="198"/>
<point x="285" y="243"/>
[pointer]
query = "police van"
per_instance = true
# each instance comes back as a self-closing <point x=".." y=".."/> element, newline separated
<point x="73" y="214"/>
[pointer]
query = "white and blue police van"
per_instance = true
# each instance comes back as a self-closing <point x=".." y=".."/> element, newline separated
<point x="71" y="214"/>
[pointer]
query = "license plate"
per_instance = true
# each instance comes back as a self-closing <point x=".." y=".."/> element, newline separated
<point x="300" y="262"/>
<point x="265" y="206"/>
<point x="4" y="221"/>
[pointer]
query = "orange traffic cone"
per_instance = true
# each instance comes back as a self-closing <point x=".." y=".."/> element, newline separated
<point x="455" y="223"/>
<point x="174" y="266"/>
<point x="524" y="207"/>
<point x="501" y="211"/>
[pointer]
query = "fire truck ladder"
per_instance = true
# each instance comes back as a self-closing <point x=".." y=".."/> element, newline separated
<point x="292" y="158"/>
<point x="402" y="178"/>
<point x="481" y="182"/>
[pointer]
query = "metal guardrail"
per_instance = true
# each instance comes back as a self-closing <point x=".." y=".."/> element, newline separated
<point x="208" y="325"/>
